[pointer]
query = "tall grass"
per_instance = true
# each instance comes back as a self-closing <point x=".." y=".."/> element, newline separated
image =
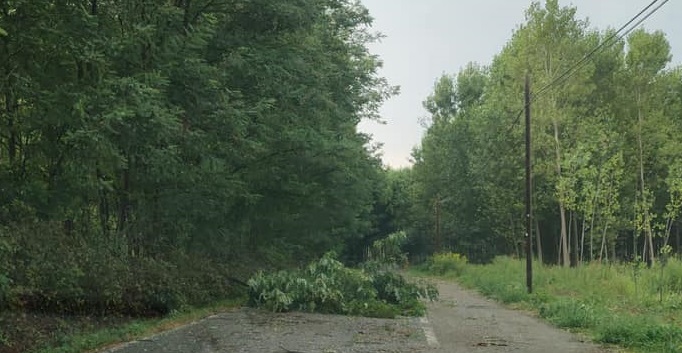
<point x="623" y="304"/>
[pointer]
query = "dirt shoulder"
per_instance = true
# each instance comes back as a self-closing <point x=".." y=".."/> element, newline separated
<point x="464" y="322"/>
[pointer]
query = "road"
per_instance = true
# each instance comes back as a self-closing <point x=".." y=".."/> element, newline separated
<point x="464" y="322"/>
<point x="460" y="322"/>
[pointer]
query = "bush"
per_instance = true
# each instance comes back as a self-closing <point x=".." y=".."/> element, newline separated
<point x="446" y="263"/>
<point x="569" y="313"/>
<point x="7" y="249"/>
<point x="69" y="274"/>
<point x="634" y="332"/>
<point x="327" y="286"/>
<point x="387" y="251"/>
<point x="672" y="276"/>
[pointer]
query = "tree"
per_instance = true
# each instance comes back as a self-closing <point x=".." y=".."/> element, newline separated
<point x="166" y="134"/>
<point x="604" y="159"/>
<point x="647" y="55"/>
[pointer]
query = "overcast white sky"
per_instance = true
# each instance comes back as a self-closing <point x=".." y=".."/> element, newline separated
<point x="425" y="38"/>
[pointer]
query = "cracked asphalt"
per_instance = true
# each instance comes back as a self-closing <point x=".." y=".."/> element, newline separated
<point x="460" y="322"/>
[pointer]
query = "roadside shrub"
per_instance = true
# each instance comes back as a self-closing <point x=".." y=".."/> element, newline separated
<point x="636" y="332"/>
<point x="7" y="249"/>
<point x="447" y="263"/>
<point x="569" y="313"/>
<point x="387" y="251"/>
<point x="497" y="280"/>
<point x="327" y="286"/>
<point x="56" y="273"/>
<point x="203" y="280"/>
<point x="672" y="276"/>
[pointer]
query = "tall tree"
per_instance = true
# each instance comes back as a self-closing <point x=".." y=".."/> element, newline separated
<point x="604" y="159"/>
<point x="648" y="54"/>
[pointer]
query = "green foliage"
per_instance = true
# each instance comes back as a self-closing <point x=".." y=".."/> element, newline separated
<point x="7" y="267"/>
<point x="605" y="158"/>
<point x="672" y="277"/>
<point x="570" y="313"/>
<point x="388" y="250"/>
<point x="96" y="279"/>
<point x="329" y="287"/>
<point x="645" y="335"/>
<point x="152" y="149"/>
<point x="485" y="278"/>
<point x="394" y="289"/>
<point x="446" y="263"/>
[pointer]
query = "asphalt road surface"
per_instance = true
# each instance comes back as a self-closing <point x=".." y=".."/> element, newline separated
<point x="460" y="322"/>
<point x="463" y="322"/>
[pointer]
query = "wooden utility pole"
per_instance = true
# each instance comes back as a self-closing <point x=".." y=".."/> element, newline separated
<point x="529" y="248"/>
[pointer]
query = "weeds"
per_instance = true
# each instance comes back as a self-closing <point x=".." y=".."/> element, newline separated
<point x="624" y="304"/>
<point x="443" y="263"/>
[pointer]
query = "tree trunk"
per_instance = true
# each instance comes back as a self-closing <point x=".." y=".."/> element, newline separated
<point x="603" y="250"/>
<point x="12" y="138"/>
<point x="635" y="232"/>
<point x="564" y="252"/>
<point x="124" y="202"/>
<point x="574" y="239"/>
<point x="10" y="103"/>
<point x="592" y="217"/>
<point x="634" y="245"/>
<point x="677" y="235"/>
<point x="649" y="244"/>
<point x="569" y="236"/>
<point x="668" y="229"/>
<point x="582" y="242"/>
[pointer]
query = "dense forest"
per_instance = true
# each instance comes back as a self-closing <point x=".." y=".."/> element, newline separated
<point x="149" y="150"/>
<point x="153" y="152"/>
<point x="606" y="155"/>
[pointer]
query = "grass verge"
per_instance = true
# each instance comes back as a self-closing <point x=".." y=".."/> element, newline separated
<point x="627" y="305"/>
<point x="79" y="334"/>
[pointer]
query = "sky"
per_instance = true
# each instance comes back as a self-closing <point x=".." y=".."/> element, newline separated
<point x="427" y="38"/>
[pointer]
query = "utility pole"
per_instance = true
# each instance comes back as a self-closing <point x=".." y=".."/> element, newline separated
<point x="529" y="251"/>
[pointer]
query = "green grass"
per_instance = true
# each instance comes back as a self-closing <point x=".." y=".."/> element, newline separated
<point x="627" y="305"/>
<point x="89" y="341"/>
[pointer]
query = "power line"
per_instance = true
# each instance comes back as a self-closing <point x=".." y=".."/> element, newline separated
<point x="528" y="100"/>
<point x="607" y="42"/>
<point x="611" y="39"/>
